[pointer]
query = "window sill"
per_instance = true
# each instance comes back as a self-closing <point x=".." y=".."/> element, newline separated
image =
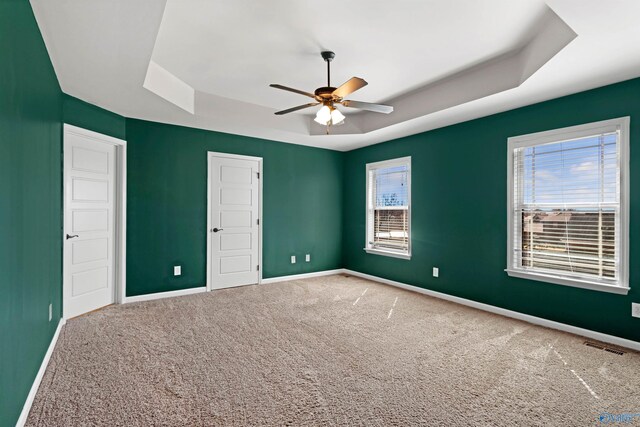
<point x="577" y="283"/>
<point x="388" y="253"/>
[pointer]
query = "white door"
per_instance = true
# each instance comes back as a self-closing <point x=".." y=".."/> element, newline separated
<point x="89" y="206"/>
<point x="234" y="208"/>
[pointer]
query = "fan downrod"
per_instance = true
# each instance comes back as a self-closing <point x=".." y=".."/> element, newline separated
<point x="324" y="93"/>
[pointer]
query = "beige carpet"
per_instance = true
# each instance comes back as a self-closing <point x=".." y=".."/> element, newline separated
<point x="325" y="351"/>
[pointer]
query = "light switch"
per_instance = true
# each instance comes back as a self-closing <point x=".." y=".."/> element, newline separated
<point x="293" y="259"/>
<point x="177" y="270"/>
<point x="307" y="257"/>
<point x="436" y="272"/>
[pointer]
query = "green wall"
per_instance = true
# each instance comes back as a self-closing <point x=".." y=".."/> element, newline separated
<point x="459" y="219"/>
<point x="314" y="203"/>
<point x="167" y="205"/>
<point x="30" y="214"/>
<point x="88" y="116"/>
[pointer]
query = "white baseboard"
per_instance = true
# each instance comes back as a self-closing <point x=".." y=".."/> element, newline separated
<point x="168" y="294"/>
<point x="599" y="336"/>
<point x="36" y="382"/>
<point x="302" y="276"/>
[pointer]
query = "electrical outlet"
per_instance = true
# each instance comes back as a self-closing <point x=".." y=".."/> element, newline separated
<point x="177" y="270"/>
<point x="436" y="272"/>
<point x="50" y="312"/>
<point x="293" y="259"/>
<point x="307" y="257"/>
<point x="635" y="309"/>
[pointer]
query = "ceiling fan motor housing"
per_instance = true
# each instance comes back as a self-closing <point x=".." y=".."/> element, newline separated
<point x="326" y="92"/>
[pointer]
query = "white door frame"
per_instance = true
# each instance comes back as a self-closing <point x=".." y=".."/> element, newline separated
<point x="120" y="214"/>
<point x="210" y="156"/>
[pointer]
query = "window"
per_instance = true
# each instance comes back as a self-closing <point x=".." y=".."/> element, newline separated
<point x="389" y="208"/>
<point x="568" y="211"/>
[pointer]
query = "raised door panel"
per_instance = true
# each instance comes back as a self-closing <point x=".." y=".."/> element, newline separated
<point x="234" y="207"/>
<point x="89" y="187"/>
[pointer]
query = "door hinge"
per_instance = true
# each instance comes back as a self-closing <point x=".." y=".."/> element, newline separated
<point x="258" y="221"/>
<point x="258" y="173"/>
<point x="257" y="268"/>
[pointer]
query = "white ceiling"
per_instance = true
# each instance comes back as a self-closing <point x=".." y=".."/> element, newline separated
<point x="438" y="62"/>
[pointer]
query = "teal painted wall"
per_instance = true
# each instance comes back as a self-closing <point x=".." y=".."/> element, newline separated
<point x="30" y="204"/>
<point x="459" y="220"/>
<point x="314" y="203"/>
<point x="167" y="205"/>
<point x="87" y="116"/>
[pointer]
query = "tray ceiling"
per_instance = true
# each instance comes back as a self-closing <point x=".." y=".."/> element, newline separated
<point x="208" y="64"/>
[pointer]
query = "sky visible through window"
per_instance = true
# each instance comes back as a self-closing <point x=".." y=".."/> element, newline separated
<point x="391" y="186"/>
<point x="566" y="207"/>
<point x="582" y="171"/>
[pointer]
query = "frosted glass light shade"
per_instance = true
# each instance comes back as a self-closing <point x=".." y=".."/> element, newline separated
<point x="323" y="116"/>
<point x="337" y="118"/>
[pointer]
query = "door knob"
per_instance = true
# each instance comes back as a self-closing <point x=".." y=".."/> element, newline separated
<point x="215" y="230"/>
<point x="71" y="237"/>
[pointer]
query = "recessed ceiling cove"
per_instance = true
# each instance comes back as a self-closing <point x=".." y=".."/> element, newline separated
<point x="211" y="68"/>
<point x="208" y="64"/>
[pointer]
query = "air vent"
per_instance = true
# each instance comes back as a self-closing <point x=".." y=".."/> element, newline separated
<point x="594" y="345"/>
<point x="603" y="347"/>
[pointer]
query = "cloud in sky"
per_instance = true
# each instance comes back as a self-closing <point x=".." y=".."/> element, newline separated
<point x="584" y="167"/>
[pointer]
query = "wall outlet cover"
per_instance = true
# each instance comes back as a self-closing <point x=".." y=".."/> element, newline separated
<point x="50" y="312"/>
<point x="177" y="270"/>
<point x="635" y="309"/>
<point x="307" y="257"/>
<point x="436" y="272"/>
<point x="293" y="259"/>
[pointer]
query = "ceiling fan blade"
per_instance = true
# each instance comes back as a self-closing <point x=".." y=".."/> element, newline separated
<point x="301" y="92"/>
<point x="350" y="86"/>
<point x="378" y="108"/>
<point x="299" y="107"/>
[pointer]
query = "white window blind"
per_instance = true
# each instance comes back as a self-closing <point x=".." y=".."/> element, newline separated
<point x="388" y="211"/>
<point x="566" y="207"/>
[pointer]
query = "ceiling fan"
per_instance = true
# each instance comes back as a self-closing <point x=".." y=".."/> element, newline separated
<point x="329" y="96"/>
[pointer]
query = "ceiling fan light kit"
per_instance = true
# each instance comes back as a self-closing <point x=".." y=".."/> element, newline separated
<point x="329" y="116"/>
<point x="329" y="96"/>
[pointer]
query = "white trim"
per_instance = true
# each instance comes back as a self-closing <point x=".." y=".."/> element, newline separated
<point x="94" y="135"/>
<point x="210" y="155"/>
<point x="621" y="125"/>
<point x="168" y="294"/>
<point x="209" y="226"/>
<point x="121" y="208"/>
<point x="576" y="283"/>
<point x="568" y="133"/>
<point x="625" y="197"/>
<point x="36" y="382"/>
<point x="400" y="161"/>
<point x="302" y="276"/>
<point x="389" y="253"/>
<point x="599" y="336"/>
<point x="383" y="164"/>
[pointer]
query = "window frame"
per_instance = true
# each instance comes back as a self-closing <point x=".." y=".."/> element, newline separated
<point x="401" y="161"/>
<point x="620" y="125"/>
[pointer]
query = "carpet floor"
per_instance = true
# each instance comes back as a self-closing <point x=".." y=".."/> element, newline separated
<point x="325" y="351"/>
